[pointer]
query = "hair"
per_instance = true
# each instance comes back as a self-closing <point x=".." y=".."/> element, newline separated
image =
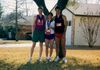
<point x="40" y="8"/>
<point x="57" y="8"/>
<point x="50" y="14"/>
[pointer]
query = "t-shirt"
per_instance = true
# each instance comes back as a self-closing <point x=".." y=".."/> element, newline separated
<point x="50" y="24"/>
<point x="40" y="23"/>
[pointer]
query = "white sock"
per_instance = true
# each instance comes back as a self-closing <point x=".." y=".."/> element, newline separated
<point x="46" y="57"/>
<point x="64" y="58"/>
<point x="39" y="58"/>
<point x="57" y="56"/>
<point x="30" y="58"/>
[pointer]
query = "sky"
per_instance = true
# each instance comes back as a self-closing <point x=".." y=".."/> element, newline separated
<point x="9" y="5"/>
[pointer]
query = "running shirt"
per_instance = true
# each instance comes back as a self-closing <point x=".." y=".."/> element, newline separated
<point x="40" y="23"/>
<point x="59" y="24"/>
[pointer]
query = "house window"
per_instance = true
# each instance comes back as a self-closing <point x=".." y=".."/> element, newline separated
<point x="69" y="23"/>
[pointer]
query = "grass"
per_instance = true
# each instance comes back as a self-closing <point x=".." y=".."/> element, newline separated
<point x="16" y="59"/>
<point x="14" y="42"/>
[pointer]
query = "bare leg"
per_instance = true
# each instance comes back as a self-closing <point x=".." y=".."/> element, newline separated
<point x="57" y="45"/>
<point x="63" y="40"/>
<point x="32" y="49"/>
<point x="51" y="47"/>
<point x="41" y="49"/>
<point x="47" y="45"/>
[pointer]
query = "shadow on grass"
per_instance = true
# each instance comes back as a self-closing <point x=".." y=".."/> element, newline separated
<point x="71" y="65"/>
<point x="6" y="66"/>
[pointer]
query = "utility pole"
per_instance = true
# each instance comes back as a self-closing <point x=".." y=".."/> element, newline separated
<point x="16" y="23"/>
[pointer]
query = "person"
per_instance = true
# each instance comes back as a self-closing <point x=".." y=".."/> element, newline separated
<point x="49" y="36"/>
<point x="38" y="33"/>
<point x="60" y="33"/>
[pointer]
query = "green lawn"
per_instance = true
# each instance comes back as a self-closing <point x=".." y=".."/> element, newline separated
<point x="16" y="59"/>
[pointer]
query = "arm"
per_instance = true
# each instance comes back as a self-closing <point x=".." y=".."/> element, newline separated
<point x="65" y="22"/>
<point x="46" y="26"/>
<point x="33" y="26"/>
<point x="53" y="25"/>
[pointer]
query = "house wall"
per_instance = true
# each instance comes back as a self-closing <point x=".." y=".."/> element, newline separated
<point x="79" y="38"/>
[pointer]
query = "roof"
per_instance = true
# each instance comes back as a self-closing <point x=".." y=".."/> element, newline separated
<point x="85" y="9"/>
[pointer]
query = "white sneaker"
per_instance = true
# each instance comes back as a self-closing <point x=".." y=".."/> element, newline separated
<point x="39" y="59"/>
<point x="57" y="59"/>
<point x="49" y="59"/>
<point x="64" y="60"/>
<point x="30" y="60"/>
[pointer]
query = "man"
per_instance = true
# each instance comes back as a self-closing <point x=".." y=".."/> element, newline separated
<point x="60" y="33"/>
<point x="38" y="33"/>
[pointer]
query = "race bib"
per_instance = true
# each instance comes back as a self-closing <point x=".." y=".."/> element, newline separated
<point x="58" y="24"/>
<point x="39" y="22"/>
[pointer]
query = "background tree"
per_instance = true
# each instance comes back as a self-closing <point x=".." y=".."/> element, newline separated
<point x="1" y="10"/>
<point x="1" y="28"/>
<point x="90" y="28"/>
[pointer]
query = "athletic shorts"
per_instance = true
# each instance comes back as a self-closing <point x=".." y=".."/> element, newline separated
<point x="49" y="37"/>
<point x="38" y="36"/>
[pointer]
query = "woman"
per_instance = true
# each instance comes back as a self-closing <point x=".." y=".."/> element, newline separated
<point x="49" y="36"/>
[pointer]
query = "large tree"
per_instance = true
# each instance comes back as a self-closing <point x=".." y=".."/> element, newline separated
<point x="41" y="3"/>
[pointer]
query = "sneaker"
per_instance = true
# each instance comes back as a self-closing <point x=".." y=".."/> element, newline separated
<point x="64" y="60"/>
<point x="50" y="60"/>
<point x="30" y="60"/>
<point x="39" y="60"/>
<point x="57" y="59"/>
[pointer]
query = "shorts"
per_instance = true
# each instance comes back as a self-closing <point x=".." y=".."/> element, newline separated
<point x="49" y="37"/>
<point x="38" y="36"/>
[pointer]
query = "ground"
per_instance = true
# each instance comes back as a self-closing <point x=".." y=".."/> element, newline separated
<point x="15" y="58"/>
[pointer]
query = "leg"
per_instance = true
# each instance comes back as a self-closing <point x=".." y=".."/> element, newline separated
<point x="51" y="46"/>
<point x="64" y="48"/>
<point x="57" y="49"/>
<point x="57" y="45"/>
<point x="31" y="52"/>
<point x="63" y="40"/>
<point x="47" y="45"/>
<point x="32" y="49"/>
<point x="41" y="49"/>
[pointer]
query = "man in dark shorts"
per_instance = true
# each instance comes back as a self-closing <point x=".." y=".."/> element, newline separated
<point x="38" y="35"/>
